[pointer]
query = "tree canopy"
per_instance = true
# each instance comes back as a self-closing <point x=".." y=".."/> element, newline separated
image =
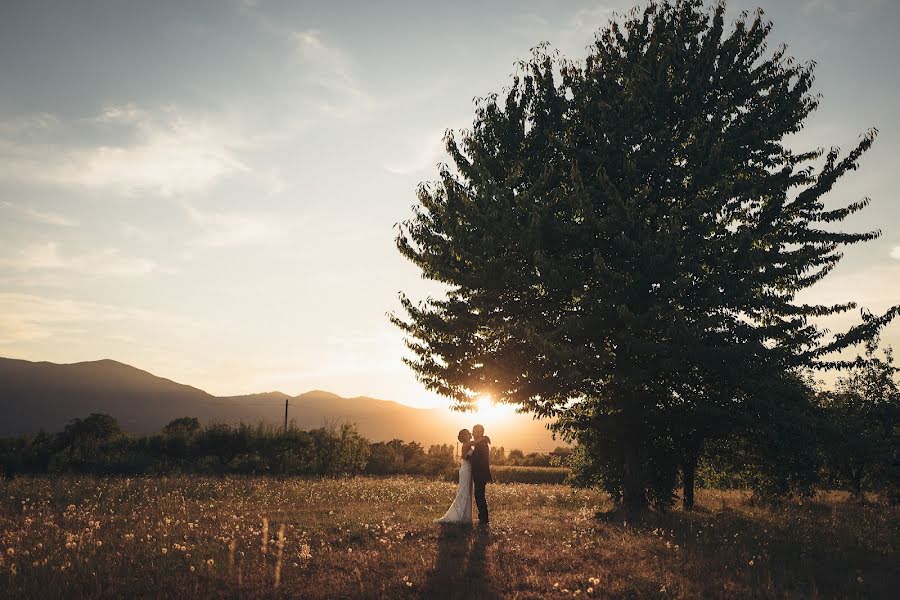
<point x="623" y="240"/>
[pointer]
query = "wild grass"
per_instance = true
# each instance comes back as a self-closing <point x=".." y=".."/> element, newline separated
<point x="257" y="537"/>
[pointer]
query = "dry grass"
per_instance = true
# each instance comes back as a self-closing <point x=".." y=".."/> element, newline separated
<point x="68" y="537"/>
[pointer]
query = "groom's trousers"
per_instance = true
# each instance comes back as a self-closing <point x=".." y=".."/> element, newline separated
<point x="481" y="501"/>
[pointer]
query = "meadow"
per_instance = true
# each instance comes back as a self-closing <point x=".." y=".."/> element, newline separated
<point x="363" y="537"/>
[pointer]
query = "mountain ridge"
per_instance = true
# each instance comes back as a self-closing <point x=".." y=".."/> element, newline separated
<point x="38" y="395"/>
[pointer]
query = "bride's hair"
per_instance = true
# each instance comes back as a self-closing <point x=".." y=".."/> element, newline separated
<point x="459" y="435"/>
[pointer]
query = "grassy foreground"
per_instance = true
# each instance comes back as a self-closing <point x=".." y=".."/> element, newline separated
<point x="68" y="537"/>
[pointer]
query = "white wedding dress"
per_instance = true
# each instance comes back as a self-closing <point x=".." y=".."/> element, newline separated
<point x="461" y="509"/>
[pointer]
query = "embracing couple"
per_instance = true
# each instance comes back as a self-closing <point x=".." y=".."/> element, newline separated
<point x="475" y="469"/>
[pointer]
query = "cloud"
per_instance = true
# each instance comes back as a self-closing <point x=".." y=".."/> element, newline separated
<point x="849" y="10"/>
<point x="421" y="151"/>
<point x="135" y="232"/>
<point x="47" y="218"/>
<point x="106" y="262"/>
<point x="328" y="68"/>
<point x="587" y="21"/>
<point x="28" y="317"/>
<point x="166" y="152"/>
<point x="221" y="229"/>
<point x="571" y="34"/>
<point x="318" y="75"/>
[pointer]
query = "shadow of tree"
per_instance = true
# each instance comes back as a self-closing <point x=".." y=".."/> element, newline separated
<point x="461" y="566"/>
<point x="802" y="551"/>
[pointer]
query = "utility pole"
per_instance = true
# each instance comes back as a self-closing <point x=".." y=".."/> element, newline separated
<point x="285" y="414"/>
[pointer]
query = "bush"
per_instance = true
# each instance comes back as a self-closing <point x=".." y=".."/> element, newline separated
<point x="97" y="445"/>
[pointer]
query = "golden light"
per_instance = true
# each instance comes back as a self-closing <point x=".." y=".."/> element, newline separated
<point x="490" y="411"/>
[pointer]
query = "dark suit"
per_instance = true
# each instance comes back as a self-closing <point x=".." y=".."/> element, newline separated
<point x="481" y="475"/>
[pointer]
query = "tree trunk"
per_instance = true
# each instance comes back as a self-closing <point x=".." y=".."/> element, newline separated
<point x="856" y="482"/>
<point x="688" y="473"/>
<point x="634" y="497"/>
<point x="690" y="458"/>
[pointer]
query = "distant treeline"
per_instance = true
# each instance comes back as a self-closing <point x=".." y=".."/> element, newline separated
<point x="98" y="445"/>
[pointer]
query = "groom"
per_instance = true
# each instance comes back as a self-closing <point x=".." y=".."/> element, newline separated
<point x="481" y="471"/>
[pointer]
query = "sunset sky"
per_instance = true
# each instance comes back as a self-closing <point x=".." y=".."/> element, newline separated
<point x="207" y="190"/>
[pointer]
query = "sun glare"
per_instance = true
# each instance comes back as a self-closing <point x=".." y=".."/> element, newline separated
<point x="490" y="411"/>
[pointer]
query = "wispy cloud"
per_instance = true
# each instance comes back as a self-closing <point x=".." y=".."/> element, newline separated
<point x="847" y="8"/>
<point x="571" y="34"/>
<point x="164" y="152"/>
<point x="421" y="152"/>
<point x="135" y="232"/>
<point x="319" y="74"/>
<point x="106" y="262"/>
<point x="28" y="317"/>
<point x="45" y="217"/>
<point x="327" y="67"/>
<point x="219" y="229"/>
<point x="587" y="21"/>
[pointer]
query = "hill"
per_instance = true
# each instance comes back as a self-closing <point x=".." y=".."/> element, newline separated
<point x="44" y="395"/>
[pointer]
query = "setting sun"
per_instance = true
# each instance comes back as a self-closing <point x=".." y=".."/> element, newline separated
<point x="491" y="411"/>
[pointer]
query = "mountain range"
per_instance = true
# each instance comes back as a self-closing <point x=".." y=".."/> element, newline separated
<point x="44" y="395"/>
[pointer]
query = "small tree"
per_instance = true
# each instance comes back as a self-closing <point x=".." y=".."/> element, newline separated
<point x="497" y="455"/>
<point x="84" y="439"/>
<point x="186" y="426"/>
<point x="864" y="417"/>
<point x="623" y="239"/>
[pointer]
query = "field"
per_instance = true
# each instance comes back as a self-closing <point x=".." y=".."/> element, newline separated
<point x="68" y="537"/>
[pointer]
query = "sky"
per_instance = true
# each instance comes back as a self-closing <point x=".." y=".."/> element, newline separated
<point x="209" y="190"/>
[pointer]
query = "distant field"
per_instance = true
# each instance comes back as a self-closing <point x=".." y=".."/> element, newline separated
<point x="76" y="537"/>
<point x="510" y="474"/>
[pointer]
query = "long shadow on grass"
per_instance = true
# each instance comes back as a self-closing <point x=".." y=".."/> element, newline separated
<point x="802" y="552"/>
<point x="460" y="569"/>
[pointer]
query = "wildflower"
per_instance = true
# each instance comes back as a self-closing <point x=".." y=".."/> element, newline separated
<point x="10" y="551"/>
<point x="193" y="569"/>
<point x="210" y="562"/>
<point x="165" y="550"/>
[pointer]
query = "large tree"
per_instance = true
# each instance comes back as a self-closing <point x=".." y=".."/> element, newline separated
<point x="622" y="240"/>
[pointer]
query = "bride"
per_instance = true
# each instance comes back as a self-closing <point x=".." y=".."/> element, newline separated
<point x="461" y="509"/>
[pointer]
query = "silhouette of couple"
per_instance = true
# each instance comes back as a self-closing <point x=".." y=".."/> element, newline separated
<point x="474" y="472"/>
